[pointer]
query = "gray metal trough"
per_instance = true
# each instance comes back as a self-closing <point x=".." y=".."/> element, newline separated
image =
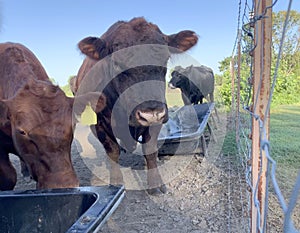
<point x="73" y="210"/>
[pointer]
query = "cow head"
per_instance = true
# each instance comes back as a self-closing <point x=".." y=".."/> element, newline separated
<point x="179" y="80"/>
<point x="138" y="54"/>
<point x="40" y="118"/>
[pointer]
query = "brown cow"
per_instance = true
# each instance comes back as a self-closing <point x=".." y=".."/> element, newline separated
<point x="129" y="63"/>
<point x="35" y="121"/>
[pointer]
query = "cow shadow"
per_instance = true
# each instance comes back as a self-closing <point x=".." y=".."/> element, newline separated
<point x="135" y="161"/>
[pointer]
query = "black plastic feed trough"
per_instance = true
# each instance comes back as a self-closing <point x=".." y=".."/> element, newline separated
<point x="75" y="210"/>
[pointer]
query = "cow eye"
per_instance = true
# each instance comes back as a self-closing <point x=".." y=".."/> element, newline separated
<point x="22" y="132"/>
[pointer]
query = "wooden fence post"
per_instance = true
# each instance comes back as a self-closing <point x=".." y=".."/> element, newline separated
<point x="232" y="82"/>
<point x="238" y="92"/>
<point x="261" y="91"/>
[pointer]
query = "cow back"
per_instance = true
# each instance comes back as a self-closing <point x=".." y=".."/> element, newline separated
<point x="17" y="65"/>
<point x="202" y="77"/>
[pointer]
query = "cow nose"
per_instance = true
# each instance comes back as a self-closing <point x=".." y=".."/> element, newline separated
<point x="147" y="118"/>
<point x="151" y="112"/>
<point x="170" y="85"/>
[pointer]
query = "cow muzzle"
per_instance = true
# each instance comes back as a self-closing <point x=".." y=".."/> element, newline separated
<point x="58" y="180"/>
<point x="170" y="85"/>
<point x="147" y="118"/>
<point x="151" y="112"/>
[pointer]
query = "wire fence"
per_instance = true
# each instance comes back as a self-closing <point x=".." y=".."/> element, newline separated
<point x="244" y="105"/>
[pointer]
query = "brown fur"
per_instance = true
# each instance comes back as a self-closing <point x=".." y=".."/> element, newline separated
<point x="35" y="121"/>
<point x="116" y="48"/>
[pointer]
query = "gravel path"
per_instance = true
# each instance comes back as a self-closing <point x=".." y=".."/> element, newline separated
<point x="205" y="194"/>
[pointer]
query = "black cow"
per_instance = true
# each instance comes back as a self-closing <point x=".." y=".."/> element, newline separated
<point x="195" y="83"/>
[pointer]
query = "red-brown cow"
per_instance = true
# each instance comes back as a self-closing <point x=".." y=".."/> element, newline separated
<point x="129" y="63"/>
<point x="35" y="121"/>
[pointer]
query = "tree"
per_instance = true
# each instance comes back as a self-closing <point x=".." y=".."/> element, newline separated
<point x="288" y="82"/>
<point x="67" y="88"/>
<point x="287" y="88"/>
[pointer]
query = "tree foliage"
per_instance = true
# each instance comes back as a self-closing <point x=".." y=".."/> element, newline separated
<point x="67" y="88"/>
<point x="287" y="88"/>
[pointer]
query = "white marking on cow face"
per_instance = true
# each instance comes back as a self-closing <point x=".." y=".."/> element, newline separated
<point x="170" y="85"/>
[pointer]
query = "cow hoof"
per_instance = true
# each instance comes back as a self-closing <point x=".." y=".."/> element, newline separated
<point x="157" y="191"/>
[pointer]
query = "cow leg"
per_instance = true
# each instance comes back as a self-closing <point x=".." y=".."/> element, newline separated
<point x="212" y="99"/>
<point x="24" y="169"/>
<point x="127" y="142"/>
<point x="155" y="183"/>
<point x="185" y="99"/>
<point x="8" y="174"/>
<point x="201" y="100"/>
<point x="113" y="151"/>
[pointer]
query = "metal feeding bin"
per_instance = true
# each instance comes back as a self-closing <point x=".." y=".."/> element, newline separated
<point x="73" y="210"/>
<point x="185" y="129"/>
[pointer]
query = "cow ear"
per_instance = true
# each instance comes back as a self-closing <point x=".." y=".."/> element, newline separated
<point x="93" y="47"/>
<point x="95" y="99"/>
<point x="4" y="113"/>
<point x="183" y="40"/>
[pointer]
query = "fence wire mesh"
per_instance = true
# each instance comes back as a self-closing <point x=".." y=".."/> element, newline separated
<point x="244" y="106"/>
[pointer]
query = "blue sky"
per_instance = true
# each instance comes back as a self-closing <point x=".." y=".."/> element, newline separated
<point x="52" y="29"/>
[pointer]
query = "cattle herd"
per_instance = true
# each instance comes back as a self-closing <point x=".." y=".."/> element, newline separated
<point x="123" y="78"/>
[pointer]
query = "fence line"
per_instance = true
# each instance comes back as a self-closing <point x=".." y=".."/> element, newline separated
<point x="248" y="41"/>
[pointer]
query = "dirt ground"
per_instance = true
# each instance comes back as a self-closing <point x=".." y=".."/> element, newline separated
<point x="205" y="194"/>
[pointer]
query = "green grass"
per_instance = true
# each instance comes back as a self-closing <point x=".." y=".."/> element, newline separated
<point x="285" y="144"/>
<point x="285" y="135"/>
<point x="174" y="97"/>
<point x="229" y="145"/>
<point x="88" y="117"/>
